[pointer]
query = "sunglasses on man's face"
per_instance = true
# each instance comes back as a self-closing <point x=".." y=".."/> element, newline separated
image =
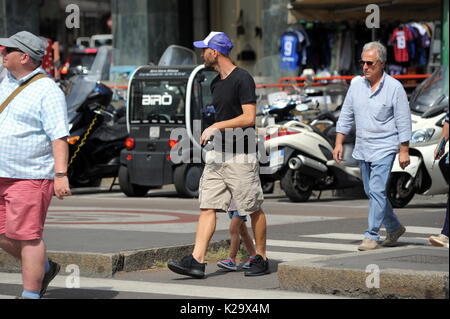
<point x="369" y="63"/>
<point x="9" y="50"/>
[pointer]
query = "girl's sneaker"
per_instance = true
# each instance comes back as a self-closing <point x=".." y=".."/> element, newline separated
<point x="248" y="263"/>
<point x="228" y="263"/>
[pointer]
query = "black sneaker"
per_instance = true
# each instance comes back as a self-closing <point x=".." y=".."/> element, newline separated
<point x="259" y="267"/>
<point x="188" y="266"/>
<point x="49" y="275"/>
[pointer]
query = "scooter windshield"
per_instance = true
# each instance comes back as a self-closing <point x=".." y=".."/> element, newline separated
<point x="431" y="92"/>
<point x="84" y="84"/>
<point x="177" y="55"/>
<point x="158" y="101"/>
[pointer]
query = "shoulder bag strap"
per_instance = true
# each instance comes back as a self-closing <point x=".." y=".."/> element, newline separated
<point x="19" y="89"/>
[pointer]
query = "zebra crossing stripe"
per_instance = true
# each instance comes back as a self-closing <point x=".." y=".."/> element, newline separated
<point x="423" y="230"/>
<point x="358" y="237"/>
<point x="311" y="245"/>
<point x="286" y="256"/>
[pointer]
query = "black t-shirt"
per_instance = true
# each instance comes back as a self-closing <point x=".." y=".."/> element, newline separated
<point x="229" y="94"/>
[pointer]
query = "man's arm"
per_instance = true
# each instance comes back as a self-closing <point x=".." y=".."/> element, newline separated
<point x="61" y="155"/>
<point x="246" y="119"/>
<point x="343" y="125"/>
<point x="402" y="115"/>
<point x="338" y="149"/>
<point x="403" y="156"/>
<point x="444" y="135"/>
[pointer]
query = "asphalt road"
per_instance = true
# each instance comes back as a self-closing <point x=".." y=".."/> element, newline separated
<point x="327" y="226"/>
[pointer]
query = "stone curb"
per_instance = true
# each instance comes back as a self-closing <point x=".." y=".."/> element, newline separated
<point x="105" y="265"/>
<point x="314" y="276"/>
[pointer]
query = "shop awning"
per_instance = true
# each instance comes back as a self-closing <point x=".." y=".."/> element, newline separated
<point x="355" y="10"/>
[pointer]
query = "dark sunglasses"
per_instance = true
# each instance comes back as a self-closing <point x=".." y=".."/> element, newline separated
<point x="9" y="50"/>
<point x="369" y="63"/>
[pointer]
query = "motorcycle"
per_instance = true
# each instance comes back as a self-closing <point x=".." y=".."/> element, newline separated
<point x="301" y="157"/>
<point x="278" y="110"/>
<point x="423" y="175"/>
<point x="97" y="130"/>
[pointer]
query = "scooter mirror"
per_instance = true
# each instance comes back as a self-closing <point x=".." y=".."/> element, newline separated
<point x="78" y="70"/>
<point x="301" y="107"/>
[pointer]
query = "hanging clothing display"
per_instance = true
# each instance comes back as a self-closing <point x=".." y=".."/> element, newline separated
<point x="336" y="48"/>
<point x="291" y="46"/>
<point x="411" y="44"/>
<point x="401" y="38"/>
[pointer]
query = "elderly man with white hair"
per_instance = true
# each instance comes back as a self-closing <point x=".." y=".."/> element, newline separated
<point x="378" y="105"/>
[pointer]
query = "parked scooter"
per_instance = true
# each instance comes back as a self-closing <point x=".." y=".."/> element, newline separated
<point x="301" y="157"/>
<point x="278" y="110"/>
<point x="423" y="175"/>
<point x="97" y="130"/>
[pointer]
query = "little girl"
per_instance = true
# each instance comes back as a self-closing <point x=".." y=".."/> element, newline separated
<point x="238" y="229"/>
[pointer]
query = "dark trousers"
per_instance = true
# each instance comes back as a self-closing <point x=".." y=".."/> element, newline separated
<point x="445" y="228"/>
<point x="444" y="168"/>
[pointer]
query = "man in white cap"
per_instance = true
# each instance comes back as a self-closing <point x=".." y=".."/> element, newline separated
<point x="237" y="177"/>
<point x="33" y="161"/>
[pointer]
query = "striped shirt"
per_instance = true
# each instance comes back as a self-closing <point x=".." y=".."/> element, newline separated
<point x="382" y="118"/>
<point x="28" y="125"/>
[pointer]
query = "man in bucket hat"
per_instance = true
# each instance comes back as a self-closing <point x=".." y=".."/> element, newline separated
<point x="33" y="161"/>
<point x="237" y="177"/>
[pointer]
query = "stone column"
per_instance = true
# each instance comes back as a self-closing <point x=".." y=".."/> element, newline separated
<point x="143" y="29"/>
<point x="275" y="22"/>
<point x="18" y="15"/>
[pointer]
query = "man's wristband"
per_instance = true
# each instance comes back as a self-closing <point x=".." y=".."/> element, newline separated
<point x="60" y="174"/>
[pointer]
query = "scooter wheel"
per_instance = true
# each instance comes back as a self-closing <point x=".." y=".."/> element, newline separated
<point x="296" y="186"/>
<point x="397" y="192"/>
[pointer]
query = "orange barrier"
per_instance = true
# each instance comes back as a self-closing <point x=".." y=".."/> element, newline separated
<point x="317" y="80"/>
<point x="281" y="85"/>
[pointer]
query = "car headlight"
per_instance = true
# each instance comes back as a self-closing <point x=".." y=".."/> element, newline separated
<point x="422" y="136"/>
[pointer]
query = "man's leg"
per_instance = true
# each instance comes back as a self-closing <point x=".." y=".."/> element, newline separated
<point x="259" y="227"/>
<point x="193" y="265"/>
<point x="205" y="230"/>
<point x="260" y="264"/>
<point x="365" y="168"/>
<point x="12" y="247"/>
<point x="33" y="261"/>
<point x="380" y="209"/>
<point x="445" y="227"/>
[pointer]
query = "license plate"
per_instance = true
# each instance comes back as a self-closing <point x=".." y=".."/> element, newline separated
<point x="276" y="158"/>
<point x="154" y="132"/>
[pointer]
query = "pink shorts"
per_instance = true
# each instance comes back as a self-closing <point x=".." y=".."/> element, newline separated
<point x="23" y="207"/>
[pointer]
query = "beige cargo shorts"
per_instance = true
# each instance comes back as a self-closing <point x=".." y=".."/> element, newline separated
<point x="236" y="177"/>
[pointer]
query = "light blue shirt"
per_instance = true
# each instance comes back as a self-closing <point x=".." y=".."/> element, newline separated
<point x="28" y="125"/>
<point x="382" y="118"/>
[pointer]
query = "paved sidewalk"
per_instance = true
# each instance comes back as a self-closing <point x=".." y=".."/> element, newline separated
<point x="402" y="272"/>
